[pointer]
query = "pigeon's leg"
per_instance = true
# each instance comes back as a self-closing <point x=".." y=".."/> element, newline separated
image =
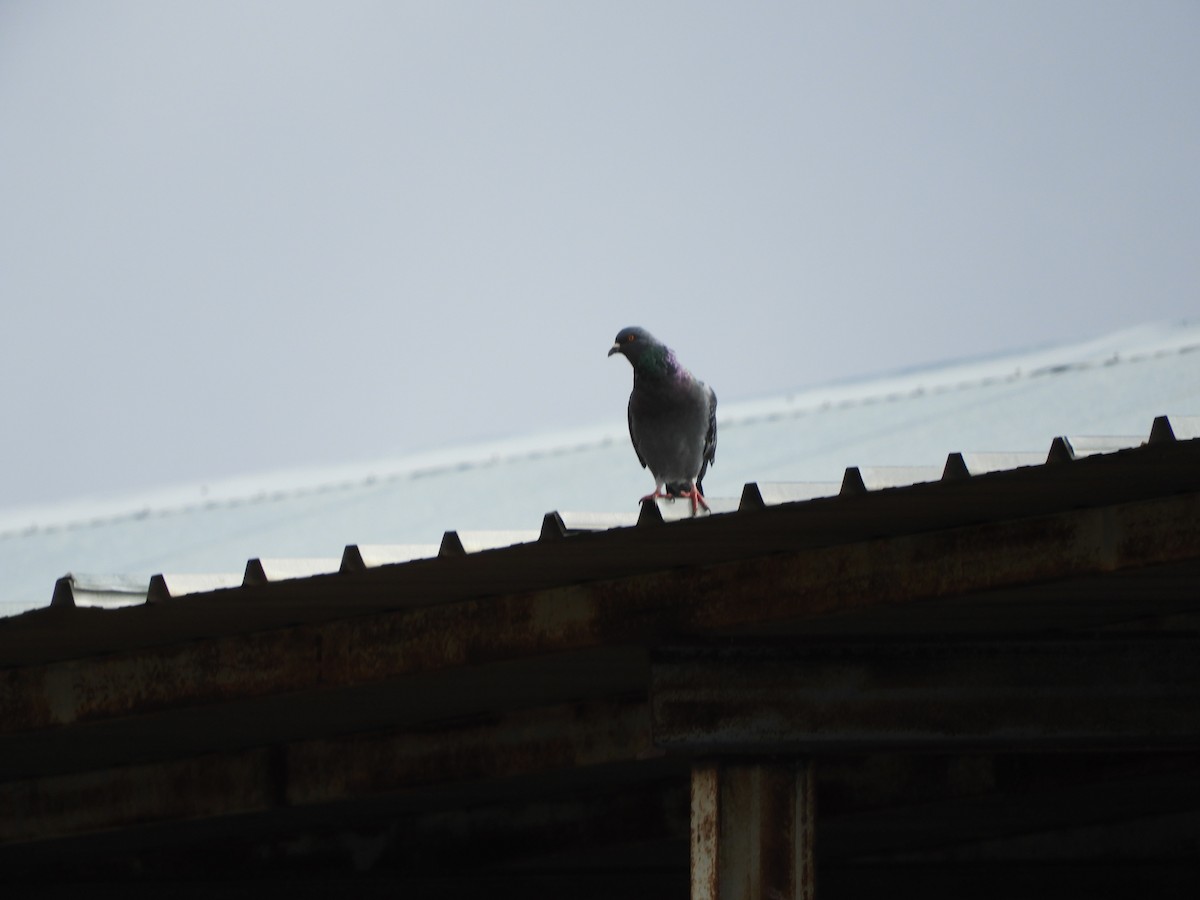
<point x="657" y="495"/>
<point x="696" y="497"/>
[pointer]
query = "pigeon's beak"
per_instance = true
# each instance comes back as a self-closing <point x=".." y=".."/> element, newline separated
<point x="616" y="348"/>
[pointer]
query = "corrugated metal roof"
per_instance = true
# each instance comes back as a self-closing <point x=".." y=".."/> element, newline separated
<point x="564" y="662"/>
<point x="568" y="680"/>
<point x="122" y="590"/>
<point x="993" y="413"/>
<point x="570" y="549"/>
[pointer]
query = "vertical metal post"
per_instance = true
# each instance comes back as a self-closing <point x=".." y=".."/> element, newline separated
<point x="706" y="825"/>
<point x="752" y="831"/>
<point x="804" y="821"/>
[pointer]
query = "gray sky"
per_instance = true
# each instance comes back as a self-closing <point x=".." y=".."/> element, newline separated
<point x="244" y="236"/>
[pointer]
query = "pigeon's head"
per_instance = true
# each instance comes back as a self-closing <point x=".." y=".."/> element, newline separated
<point x="633" y="342"/>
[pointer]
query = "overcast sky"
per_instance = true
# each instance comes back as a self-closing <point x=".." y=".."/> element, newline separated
<point x="245" y="236"/>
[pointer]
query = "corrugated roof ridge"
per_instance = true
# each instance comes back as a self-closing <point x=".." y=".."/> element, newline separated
<point x="123" y="590"/>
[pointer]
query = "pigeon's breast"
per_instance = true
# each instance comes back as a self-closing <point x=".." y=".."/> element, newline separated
<point x="668" y="429"/>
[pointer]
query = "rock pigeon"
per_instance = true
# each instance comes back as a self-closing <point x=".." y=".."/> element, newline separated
<point x="672" y="417"/>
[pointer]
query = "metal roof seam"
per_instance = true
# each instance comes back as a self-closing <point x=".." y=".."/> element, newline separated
<point x="1016" y="374"/>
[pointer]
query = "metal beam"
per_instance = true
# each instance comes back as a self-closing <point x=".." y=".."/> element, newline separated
<point x="787" y="586"/>
<point x="933" y="695"/>
<point x="752" y="831"/>
<point x="572" y="741"/>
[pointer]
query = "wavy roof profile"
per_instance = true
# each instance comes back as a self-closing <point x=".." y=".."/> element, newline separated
<point x="947" y="421"/>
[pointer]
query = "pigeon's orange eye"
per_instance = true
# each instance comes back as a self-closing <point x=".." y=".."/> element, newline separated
<point x="631" y="339"/>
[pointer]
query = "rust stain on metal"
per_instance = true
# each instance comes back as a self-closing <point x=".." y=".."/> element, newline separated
<point x="160" y="678"/>
<point x="762" y="823"/>
<point x="87" y="802"/>
<point x="329" y="770"/>
<point x="562" y="737"/>
<point x="643" y="608"/>
<point x="1136" y="531"/>
<point x="705" y="830"/>
<point x="804" y="823"/>
<point x="25" y="700"/>
<point x="1016" y="694"/>
<point x="775" y="796"/>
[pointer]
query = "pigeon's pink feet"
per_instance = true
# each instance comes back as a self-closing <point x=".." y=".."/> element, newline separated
<point x="696" y="497"/>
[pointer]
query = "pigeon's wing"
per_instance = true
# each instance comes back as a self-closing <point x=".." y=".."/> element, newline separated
<point x="710" y="438"/>
<point x="633" y="435"/>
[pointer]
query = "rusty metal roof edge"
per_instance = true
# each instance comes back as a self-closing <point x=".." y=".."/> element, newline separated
<point x="1088" y="550"/>
<point x="72" y="590"/>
